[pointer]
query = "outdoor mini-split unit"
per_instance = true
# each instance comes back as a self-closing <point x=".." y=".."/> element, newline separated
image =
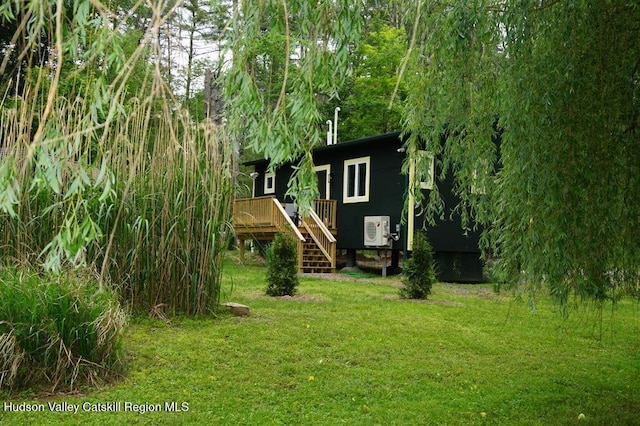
<point x="377" y="231"/>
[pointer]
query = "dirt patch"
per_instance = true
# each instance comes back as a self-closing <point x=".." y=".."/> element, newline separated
<point x="332" y="277"/>
<point x="467" y="290"/>
<point x="438" y="302"/>
<point x="355" y="276"/>
<point x="301" y="297"/>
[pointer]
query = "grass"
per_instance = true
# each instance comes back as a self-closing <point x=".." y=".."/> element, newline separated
<point x="352" y="352"/>
<point x="57" y="331"/>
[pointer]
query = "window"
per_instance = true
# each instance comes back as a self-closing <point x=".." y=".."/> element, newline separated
<point x="423" y="168"/>
<point x="478" y="180"/>
<point x="323" y="173"/>
<point x="269" y="183"/>
<point x="477" y="187"/>
<point x="356" y="180"/>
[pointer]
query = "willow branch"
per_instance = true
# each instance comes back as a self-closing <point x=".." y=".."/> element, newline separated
<point x="405" y="60"/>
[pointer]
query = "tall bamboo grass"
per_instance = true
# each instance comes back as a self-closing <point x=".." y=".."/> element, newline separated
<point x="172" y="224"/>
<point x="103" y="169"/>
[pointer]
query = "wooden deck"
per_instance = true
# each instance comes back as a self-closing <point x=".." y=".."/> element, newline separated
<point x="262" y="218"/>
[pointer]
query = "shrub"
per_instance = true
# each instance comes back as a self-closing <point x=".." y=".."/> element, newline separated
<point x="57" y="331"/>
<point x="418" y="273"/>
<point x="282" y="266"/>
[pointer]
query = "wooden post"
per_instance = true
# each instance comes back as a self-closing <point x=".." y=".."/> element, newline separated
<point x="241" y="246"/>
<point x="300" y="255"/>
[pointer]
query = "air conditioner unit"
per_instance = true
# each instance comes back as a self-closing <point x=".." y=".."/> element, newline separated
<point x="376" y="231"/>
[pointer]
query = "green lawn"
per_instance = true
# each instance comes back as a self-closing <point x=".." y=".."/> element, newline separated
<point x="351" y="352"/>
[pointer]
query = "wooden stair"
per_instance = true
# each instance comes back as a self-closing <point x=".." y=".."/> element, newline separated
<point x="264" y="217"/>
<point x="313" y="260"/>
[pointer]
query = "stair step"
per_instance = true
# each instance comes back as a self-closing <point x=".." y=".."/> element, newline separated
<point x="318" y="270"/>
<point x="313" y="259"/>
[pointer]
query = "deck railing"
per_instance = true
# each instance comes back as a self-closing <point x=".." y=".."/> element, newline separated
<point x="259" y="211"/>
<point x="283" y="222"/>
<point x="253" y="211"/>
<point x="326" y="210"/>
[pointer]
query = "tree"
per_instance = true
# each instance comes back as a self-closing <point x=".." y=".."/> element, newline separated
<point x="563" y="208"/>
<point x="282" y="266"/>
<point x="557" y="81"/>
<point x="314" y="37"/>
<point x="366" y="110"/>
<point x="418" y="272"/>
<point x="204" y="24"/>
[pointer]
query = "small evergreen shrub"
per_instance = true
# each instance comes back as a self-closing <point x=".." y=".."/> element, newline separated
<point x="282" y="266"/>
<point x="418" y="272"/>
<point x="58" y="332"/>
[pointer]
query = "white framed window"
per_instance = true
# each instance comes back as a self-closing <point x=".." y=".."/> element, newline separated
<point x="324" y="171"/>
<point x="356" y="180"/>
<point x="477" y="183"/>
<point x="269" y="183"/>
<point x="424" y="163"/>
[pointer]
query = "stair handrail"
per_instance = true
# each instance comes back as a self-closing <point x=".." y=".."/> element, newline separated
<point x="322" y="226"/>
<point x="288" y="220"/>
<point x="326" y="234"/>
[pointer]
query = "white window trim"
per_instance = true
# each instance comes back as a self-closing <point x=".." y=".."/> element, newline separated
<point x="326" y="168"/>
<point x="269" y="189"/>
<point x="412" y="169"/>
<point x="431" y="160"/>
<point x="475" y="188"/>
<point x="345" y="187"/>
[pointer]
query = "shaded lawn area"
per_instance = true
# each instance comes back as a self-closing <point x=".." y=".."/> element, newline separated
<point x="351" y="352"/>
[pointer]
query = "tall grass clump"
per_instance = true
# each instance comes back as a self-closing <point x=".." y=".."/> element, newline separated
<point x="170" y="230"/>
<point x="282" y="266"/>
<point x="418" y="272"/>
<point x="102" y="168"/>
<point x="58" y="332"/>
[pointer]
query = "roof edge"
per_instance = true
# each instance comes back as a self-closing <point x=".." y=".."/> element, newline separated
<point x="338" y="146"/>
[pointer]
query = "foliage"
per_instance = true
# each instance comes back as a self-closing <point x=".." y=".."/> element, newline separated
<point x="366" y="108"/>
<point x="170" y="231"/>
<point x="58" y="331"/>
<point x="524" y="99"/>
<point x="204" y="23"/>
<point x="302" y="47"/>
<point x="418" y="272"/>
<point x="555" y="212"/>
<point x="282" y="266"/>
<point x="103" y="169"/>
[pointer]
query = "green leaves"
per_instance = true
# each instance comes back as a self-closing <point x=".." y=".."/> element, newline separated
<point x="58" y="332"/>
<point x="106" y="169"/>
<point x="283" y="63"/>
<point x="526" y="104"/>
<point x="366" y="105"/>
<point x="418" y="272"/>
<point x="9" y="188"/>
<point x="282" y="266"/>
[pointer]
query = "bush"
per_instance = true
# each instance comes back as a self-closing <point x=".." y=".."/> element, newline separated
<point x="282" y="266"/>
<point x="57" y="331"/>
<point x="418" y="273"/>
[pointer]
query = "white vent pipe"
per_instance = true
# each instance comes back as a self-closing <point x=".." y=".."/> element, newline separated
<point x="335" y="124"/>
